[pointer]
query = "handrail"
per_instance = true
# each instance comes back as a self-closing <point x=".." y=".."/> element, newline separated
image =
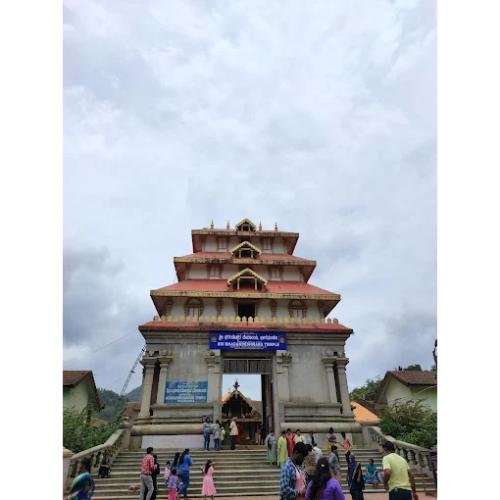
<point x="97" y="453"/>
<point x="417" y="456"/>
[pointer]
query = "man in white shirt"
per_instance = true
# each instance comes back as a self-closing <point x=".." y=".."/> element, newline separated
<point x="233" y="433"/>
<point x="317" y="451"/>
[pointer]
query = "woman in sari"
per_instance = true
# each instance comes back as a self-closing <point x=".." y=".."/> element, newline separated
<point x="82" y="487"/>
<point x="355" y="478"/>
<point x="270" y="444"/>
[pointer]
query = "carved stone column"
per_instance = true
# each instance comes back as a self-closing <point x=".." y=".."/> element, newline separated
<point x="148" y="361"/>
<point x="328" y="361"/>
<point x="344" y="391"/>
<point x="283" y="361"/>
<point x="213" y="360"/>
<point x="165" y="358"/>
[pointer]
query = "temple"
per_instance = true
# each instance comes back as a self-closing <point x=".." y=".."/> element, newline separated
<point x="242" y="304"/>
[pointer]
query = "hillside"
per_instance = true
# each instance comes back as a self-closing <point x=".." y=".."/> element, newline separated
<point x="134" y="394"/>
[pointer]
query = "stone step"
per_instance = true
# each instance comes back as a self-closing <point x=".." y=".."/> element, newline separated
<point x="260" y="450"/>
<point x="257" y="492"/>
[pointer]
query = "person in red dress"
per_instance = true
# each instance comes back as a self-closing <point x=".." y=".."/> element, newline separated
<point x="290" y="441"/>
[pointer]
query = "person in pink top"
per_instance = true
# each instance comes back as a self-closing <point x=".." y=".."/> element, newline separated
<point x="208" y="487"/>
<point x="173" y="485"/>
<point x="347" y="445"/>
<point x="147" y="468"/>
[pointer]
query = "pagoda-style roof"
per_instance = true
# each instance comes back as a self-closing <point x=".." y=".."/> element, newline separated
<point x="236" y="404"/>
<point x="281" y="259"/>
<point x="246" y="272"/>
<point x="221" y="288"/>
<point x="198" y="235"/>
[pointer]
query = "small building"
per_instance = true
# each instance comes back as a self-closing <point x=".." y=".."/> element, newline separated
<point x="80" y="392"/>
<point x="406" y="385"/>
<point x="247" y="412"/>
<point x="364" y="414"/>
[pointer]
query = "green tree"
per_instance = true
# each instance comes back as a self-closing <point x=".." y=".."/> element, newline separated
<point x="79" y="434"/>
<point x="367" y="391"/>
<point x="113" y="404"/>
<point x="413" y="367"/>
<point x="410" y="421"/>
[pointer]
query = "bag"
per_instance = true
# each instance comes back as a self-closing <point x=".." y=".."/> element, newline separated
<point x="300" y="481"/>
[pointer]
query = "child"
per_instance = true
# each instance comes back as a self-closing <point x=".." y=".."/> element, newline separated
<point x="166" y="473"/>
<point x="172" y="485"/>
<point x="208" y="487"/>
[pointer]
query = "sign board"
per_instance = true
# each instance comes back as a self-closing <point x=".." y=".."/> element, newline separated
<point x="186" y="392"/>
<point x="248" y="341"/>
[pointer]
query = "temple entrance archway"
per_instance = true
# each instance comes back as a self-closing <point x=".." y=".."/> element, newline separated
<point x="251" y="415"/>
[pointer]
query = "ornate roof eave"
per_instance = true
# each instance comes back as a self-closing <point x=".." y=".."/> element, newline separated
<point x="229" y="325"/>
<point x="307" y="265"/>
<point x="245" y="244"/>
<point x="246" y="221"/>
<point x="291" y="238"/>
<point x="245" y="272"/>
<point x="248" y="294"/>
<point x="240" y="260"/>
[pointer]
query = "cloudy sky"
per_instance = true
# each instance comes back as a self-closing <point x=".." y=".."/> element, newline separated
<point x="317" y="115"/>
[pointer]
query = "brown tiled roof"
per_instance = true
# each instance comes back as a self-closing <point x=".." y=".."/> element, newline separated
<point x="415" y="377"/>
<point x="73" y="377"/>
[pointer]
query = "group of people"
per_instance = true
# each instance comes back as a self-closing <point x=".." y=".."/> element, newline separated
<point x="176" y="475"/>
<point x="307" y="474"/>
<point x="218" y="432"/>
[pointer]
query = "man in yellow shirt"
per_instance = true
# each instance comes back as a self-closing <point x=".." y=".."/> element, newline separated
<point x="398" y="479"/>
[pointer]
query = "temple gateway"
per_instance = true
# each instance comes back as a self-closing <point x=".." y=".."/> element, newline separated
<point x="242" y="304"/>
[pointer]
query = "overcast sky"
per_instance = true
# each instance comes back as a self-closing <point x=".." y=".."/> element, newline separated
<point x="320" y="116"/>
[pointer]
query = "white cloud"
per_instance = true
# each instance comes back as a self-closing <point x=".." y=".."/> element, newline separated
<point x="320" y="116"/>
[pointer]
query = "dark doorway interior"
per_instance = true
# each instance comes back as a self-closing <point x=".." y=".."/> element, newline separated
<point x="246" y="309"/>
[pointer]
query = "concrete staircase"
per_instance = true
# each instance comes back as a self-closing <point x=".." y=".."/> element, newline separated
<point x="237" y="473"/>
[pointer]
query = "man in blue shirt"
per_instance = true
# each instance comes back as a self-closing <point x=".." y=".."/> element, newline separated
<point x="289" y="472"/>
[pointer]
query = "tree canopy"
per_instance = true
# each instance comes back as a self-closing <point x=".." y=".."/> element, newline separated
<point x="79" y="434"/>
<point x="410" y="421"/>
<point x="367" y="391"/>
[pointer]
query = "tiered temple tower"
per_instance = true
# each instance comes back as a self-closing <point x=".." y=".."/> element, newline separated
<point x="242" y="304"/>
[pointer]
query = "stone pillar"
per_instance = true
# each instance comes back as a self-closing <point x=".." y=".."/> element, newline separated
<point x="213" y="360"/>
<point x="328" y="362"/>
<point x="147" y="383"/>
<point x="344" y="391"/>
<point x="280" y="388"/>
<point x="283" y="361"/>
<point x="165" y="358"/>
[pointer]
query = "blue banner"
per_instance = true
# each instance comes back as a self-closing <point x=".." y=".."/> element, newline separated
<point x="185" y="392"/>
<point x="248" y="341"/>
